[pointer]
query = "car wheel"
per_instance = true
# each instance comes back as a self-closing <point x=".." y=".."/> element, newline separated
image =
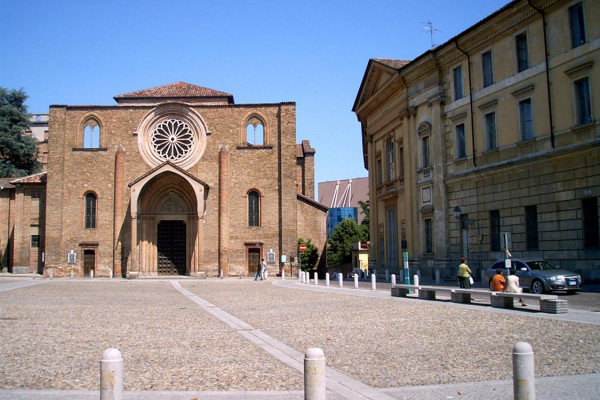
<point x="537" y="287"/>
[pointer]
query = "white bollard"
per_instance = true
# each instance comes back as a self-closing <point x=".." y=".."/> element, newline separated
<point x="51" y="274"/>
<point x="316" y="275"/>
<point x="300" y="275"/>
<point x="437" y="276"/>
<point x="91" y="273"/>
<point x="523" y="372"/>
<point x="314" y="374"/>
<point x="373" y="282"/>
<point x="282" y="274"/>
<point x="111" y="375"/>
<point x="416" y="283"/>
<point x="393" y="279"/>
<point x="341" y="279"/>
<point x="355" y="281"/>
<point x="110" y="273"/>
<point x="387" y="275"/>
<point x="327" y="279"/>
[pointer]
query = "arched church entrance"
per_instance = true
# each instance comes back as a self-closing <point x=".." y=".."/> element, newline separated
<point x="168" y="213"/>
<point x="167" y="216"/>
<point x="168" y="237"/>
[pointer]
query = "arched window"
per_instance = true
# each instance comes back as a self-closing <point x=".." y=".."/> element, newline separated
<point x="90" y="210"/>
<point x="253" y="208"/>
<point x="91" y="135"/>
<point x="255" y="134"/>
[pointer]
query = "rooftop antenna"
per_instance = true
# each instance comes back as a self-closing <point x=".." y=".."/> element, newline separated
<point x="430" y="29"/>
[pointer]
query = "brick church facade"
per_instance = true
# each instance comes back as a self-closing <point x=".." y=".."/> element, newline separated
<point x="176" y="180"/>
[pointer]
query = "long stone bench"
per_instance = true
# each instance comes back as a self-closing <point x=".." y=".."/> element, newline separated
<point x="548" y="303"/>
<point x="457" y="295"/>
<point x="403" y="290"/>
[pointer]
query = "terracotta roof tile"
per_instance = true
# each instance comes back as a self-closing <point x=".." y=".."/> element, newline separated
<point x="174" y="90"/>
<point x="35" y="178"/>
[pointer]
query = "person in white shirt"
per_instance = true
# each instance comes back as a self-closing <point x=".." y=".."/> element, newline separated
<point x="513" y="286"/>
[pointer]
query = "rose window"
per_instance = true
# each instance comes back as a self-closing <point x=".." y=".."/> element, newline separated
<point x="172" y="140"/>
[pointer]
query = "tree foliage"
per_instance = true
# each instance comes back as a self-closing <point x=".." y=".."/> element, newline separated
<point x="18" y="152"/>
<point x="309" y="257"/>
<point x="339" y="250"/>
<point x="364" y="206"/>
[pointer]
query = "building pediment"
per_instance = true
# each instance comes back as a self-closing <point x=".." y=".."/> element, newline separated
<point x="379" y="75"/>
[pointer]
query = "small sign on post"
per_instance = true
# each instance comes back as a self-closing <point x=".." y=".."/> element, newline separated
<point x="303" y="247"/>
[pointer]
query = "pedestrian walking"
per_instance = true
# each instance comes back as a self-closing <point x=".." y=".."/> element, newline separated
<point x="263" y="268"/>
<point x="464" y="274"/>
<point x="259" y="271"/>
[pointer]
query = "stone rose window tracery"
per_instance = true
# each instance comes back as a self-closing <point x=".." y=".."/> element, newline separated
<point x="172" y="140"/>
<point x="172" y="132"/>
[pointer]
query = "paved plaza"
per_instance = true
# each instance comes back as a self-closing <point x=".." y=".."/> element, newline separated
<point x="241" y="339"/>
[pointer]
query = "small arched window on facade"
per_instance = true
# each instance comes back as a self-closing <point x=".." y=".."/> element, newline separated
<point x="253" y="208"/>
<point x="91" y="134"/>
<point x="91" y="201"/>
<point x="255" y="132"/>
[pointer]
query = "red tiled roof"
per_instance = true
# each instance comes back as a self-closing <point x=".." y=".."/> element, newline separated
<point x="174" y="90"/>
<point x="35" y="178"/>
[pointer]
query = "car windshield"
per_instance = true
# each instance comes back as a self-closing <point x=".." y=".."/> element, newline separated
<point x="541" y="265"/>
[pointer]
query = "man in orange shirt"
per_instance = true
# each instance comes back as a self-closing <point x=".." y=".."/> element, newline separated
<point x="498" y="282"/>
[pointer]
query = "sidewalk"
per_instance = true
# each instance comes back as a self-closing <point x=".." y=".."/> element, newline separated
<point x="578" y="387"/>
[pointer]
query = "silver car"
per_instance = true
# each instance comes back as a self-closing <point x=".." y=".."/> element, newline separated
<point x="538" y="275"/>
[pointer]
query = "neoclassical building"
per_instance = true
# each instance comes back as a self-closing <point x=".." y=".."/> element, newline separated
<point x="491" y="135"/>
<point x="176" y="180"/>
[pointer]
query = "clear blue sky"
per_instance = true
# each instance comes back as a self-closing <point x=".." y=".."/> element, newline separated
<point x="312" y="52"/>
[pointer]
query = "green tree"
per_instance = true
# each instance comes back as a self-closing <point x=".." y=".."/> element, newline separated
<point x="309" y="257"/>
<point x="339" y="250"/>
<point x="18" y="152"/>
<point x="364" y="224"/>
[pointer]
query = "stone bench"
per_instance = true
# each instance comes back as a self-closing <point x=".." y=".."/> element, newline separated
<point x="549" y="303"/>
<point x="402" y="290"/>
<point x="457" y="295"/>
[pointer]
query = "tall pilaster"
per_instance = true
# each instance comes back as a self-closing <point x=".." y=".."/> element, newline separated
<point x="118" y="210"/>
<point x="224" y="211"/>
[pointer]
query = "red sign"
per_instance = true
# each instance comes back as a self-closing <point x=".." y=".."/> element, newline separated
<point x="303" y="247"/>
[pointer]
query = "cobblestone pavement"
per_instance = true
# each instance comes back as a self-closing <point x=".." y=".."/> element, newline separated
<point x="53" y="335"/>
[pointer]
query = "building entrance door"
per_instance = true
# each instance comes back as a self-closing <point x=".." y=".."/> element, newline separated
<point x="171" y="240"/>
<point x="253" y="260"/>
<point x="89" y="262"/>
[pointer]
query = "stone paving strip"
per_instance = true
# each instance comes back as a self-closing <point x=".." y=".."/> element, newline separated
<point x="339" y="383"/>
<point x="53" y="335"/>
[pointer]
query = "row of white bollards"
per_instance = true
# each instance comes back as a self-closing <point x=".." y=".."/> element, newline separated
<point x="304" y="277"/>
<point x="315" y="388"/>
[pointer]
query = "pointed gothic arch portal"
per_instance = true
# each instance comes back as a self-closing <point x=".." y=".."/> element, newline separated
<point x="168" y="228"/>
